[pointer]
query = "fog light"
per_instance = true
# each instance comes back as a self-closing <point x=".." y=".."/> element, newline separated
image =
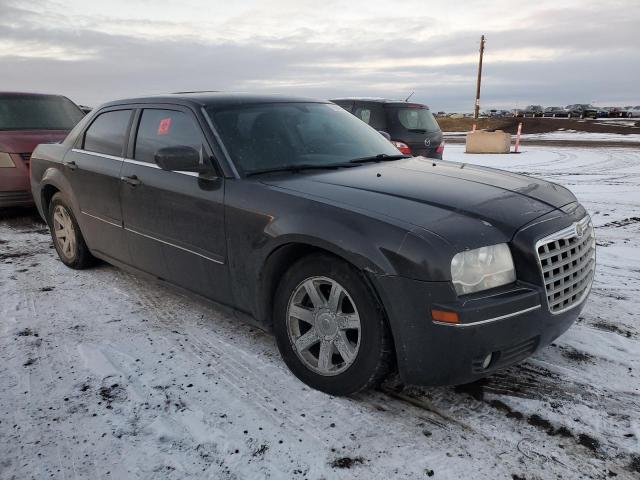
<point x="487" y="361"/>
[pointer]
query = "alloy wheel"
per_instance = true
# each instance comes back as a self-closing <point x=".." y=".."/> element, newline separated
<point x="323" y="325"/>
<point x="64" y="232"/>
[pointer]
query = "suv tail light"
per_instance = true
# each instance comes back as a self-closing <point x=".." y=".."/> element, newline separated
<point x="440" y="148"/>
<point x="403" y="147"/>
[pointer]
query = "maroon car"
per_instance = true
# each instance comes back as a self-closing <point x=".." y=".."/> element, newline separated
<point x="26" y="120"/>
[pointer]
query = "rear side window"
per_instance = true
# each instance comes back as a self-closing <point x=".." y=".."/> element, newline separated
<point x="348" y="106"/>
<point x="107" y="133"/>
<point x="371" y="114"/>
<point x="165" y="128"/>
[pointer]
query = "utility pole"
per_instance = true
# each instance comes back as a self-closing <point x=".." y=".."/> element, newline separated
<point x="476" y="110"/>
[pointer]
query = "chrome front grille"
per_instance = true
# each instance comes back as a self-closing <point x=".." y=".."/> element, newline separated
<point x="567" y="260"/>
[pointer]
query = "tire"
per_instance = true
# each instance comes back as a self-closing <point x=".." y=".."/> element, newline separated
<point x="345" y="369"/>
<point x="66" y="235"/>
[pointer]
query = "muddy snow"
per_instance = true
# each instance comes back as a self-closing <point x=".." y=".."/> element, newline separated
<point x="104" y="375"/>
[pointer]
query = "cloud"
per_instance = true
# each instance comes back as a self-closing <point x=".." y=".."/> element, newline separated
<point x="539" y="54"/>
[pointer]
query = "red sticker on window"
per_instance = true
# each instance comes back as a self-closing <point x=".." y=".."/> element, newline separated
<point x="165" y="125"/>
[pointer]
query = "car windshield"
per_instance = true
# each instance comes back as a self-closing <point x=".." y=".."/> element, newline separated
<point x="38" y="112"/>
<point x="413" y="118"/>
<point x="281" y="135"/>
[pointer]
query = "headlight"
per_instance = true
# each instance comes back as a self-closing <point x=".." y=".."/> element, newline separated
<point x="482" y="268"/>
<point x="6" y="161"/>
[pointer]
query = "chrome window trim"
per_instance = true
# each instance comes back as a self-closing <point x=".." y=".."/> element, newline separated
<point x="489" y="320"/>
<point x="97" y="154"/>
<point x="142" y="164"/>
<point x="132" y="161"/>
<point x="214" y="260"/>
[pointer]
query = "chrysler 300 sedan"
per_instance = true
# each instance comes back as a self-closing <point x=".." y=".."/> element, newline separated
<point x="292" y="211"/>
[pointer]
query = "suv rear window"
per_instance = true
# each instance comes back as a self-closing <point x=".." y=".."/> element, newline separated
<point x="420" y="119"/>
<point x="38" y="112"/>
<point x="106" y="133"/>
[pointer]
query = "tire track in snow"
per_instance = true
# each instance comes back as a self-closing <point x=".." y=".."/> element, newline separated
<point x="414" y="405"/>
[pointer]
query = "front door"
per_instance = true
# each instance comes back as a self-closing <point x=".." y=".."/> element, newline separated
<point x="174" y="221"/>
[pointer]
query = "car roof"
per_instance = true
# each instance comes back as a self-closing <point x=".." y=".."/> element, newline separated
<point x="385" y="101"/>
<point x="215" y="99"/>
<point x="28" y="94"/>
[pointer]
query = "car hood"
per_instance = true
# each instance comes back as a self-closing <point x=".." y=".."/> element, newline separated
<point x="462" y="203"/>
<point x="25" y="141"/>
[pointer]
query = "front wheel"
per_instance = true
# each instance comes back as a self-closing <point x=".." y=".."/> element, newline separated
<point x="330" y="330"/>
<point x="67" y="238"/>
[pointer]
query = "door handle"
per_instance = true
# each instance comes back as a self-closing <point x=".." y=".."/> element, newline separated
<point x="71" y="165"/>
<point x="132" y="180"/>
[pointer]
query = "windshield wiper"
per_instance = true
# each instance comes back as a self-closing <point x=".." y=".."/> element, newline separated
<point x="381" y="157"/>
<point x="417" y="130"/>
<point x="297" y="168"/>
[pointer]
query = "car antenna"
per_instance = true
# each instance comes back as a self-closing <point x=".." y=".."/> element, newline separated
<point x="410" y="95"/>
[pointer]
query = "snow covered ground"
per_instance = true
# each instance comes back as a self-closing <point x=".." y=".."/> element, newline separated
<point x="576" y="136"/>
<point x="108" y="376"/>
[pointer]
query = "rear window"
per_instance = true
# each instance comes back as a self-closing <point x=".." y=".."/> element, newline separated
<point x="38" y="113"/>
<point x="415" y="119"/>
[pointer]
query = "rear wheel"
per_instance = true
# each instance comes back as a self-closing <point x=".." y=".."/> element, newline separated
<point x="330" y="330"/>
<point x="67" y="238"/>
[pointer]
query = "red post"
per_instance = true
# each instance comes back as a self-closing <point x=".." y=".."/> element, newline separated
<point x="518" y="137"/>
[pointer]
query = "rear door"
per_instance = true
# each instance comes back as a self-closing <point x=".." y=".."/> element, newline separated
<point x="93" y="169"/>
<point x="174" y="221"/>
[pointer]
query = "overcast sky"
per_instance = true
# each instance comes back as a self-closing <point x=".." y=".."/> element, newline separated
<point x="544" y="52"/>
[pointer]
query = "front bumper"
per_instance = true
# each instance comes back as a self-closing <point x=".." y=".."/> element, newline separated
<point x="20" y="198"/>
<point x="15" y="187"/>
<point x="510" y="322"/>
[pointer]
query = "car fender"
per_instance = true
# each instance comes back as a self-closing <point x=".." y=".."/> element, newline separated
<point x="55" y="178"/>
<point x="376" y="252"/>
<point x="370" y="245"/>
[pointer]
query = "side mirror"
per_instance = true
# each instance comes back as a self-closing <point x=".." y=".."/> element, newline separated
<point x="180" y="159"/>
<point x="385" y="135"/>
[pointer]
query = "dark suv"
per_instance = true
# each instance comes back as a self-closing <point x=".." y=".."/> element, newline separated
<point x="412" y="127"/>
<point x="294" y="212"/>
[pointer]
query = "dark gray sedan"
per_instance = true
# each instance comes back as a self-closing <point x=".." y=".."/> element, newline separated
<point x="297" y="214"/>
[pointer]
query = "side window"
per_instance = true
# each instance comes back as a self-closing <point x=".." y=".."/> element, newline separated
<point x="348" y="106"/>
<point x="363" y="113"/>
<point x="107" y="133"/>
<point x="165" y="128"/>
<point x="377" y="117"/>
<point x="371" y="114"/>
